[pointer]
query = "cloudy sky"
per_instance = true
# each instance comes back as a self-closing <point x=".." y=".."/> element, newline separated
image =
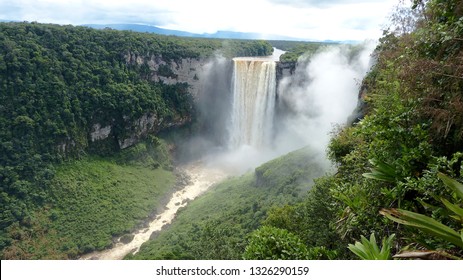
<point x="306" y="19"/>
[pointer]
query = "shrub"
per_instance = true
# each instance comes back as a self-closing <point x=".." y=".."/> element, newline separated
<point x="270" y="243"/>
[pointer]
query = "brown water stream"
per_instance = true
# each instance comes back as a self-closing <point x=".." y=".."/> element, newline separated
<point x="201" y="179"/>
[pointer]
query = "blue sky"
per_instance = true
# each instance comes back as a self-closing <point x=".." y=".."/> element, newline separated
<point x="306" y="19"/>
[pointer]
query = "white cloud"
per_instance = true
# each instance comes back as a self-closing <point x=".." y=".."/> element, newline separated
<point x="318" y="3"/>
<point x="335" y="19"/>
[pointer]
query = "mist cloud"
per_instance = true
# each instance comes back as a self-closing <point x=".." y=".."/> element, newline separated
<point x="322" y="93"/>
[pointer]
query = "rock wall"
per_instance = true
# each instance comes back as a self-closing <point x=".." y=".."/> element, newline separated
<point x="99" y="133"/>
<point x="284" y="69"/>
<point x="131" y="131"/>
<point x="185" y="70"/>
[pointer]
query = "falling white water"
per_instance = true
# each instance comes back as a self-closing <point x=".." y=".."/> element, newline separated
<point x="254" y="93"/>
<point x="321" y="94"/>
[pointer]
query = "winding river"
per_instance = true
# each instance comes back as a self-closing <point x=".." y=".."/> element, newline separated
<point x="201" y="178"/>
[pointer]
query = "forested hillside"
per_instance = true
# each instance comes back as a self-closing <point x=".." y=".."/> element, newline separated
<point x="295" y="49"/>
<point x="400" y="166"/>
<point x="57" y="83"/>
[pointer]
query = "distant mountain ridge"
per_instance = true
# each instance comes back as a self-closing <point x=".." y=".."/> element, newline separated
<point x="142" y="28"/>
<point x="219" y="34"/>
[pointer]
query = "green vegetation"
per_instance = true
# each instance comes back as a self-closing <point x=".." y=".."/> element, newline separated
<point x="295" y="49"/>
<point x="429" y="224"/>
<point x="56" y="82"/>
<point x="217" y="224"/>
<point x="269" y="243"/>
<point x="92" y="200"/>
<point x="369" y="250"/>
<point x="392" y="158"/>
<point x="233" y="48"/>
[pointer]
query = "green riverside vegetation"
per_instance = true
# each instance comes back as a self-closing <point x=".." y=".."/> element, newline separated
<point x="92" y="200"/>
<point x="217" y="224"/>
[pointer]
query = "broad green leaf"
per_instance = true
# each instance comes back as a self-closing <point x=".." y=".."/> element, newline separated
<point x="454" y="208"/>
<point x="378" y="176"/>
<point x="453" y="184"/>
<point x="373" y="244"/>
<point x="360" y="252"/>
<point x="369" y="250"/>
<point x="427" y="205"/>
<point x="425" y="223"/>
<point x="381" y="171"/>
<point x="383" y="167"/>
<point x="387" y="244"/>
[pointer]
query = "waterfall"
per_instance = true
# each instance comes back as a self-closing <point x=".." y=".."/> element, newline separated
<point x="254" y="93"/>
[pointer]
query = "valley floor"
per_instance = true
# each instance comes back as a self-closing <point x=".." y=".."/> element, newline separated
<point x="197" y="178"/>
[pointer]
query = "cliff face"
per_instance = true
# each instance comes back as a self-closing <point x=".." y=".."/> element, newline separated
<point x="185" y="70"/>
<point x="132" y="131"/>
<point x="284" y="69"/>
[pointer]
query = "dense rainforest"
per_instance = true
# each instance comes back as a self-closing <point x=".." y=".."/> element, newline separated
<point x="56" y="83"/>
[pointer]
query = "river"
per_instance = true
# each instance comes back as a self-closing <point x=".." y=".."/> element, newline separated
<point x="202" y="177"/>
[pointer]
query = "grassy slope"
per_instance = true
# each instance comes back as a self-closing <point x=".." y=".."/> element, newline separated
<point x="216" y="225"/>
<point x="97" y="199"/>
<point x="93" y="200"/>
